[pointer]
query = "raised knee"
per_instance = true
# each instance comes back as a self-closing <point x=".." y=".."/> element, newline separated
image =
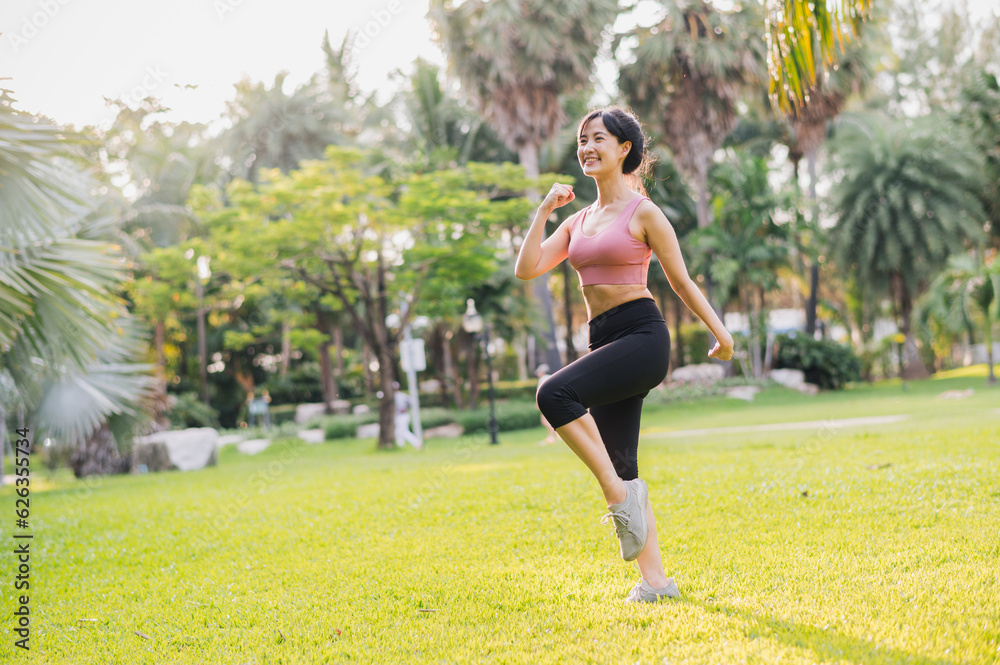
<point x="546" y="397"/>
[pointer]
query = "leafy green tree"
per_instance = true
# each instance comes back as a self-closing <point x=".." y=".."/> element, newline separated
<point x="966" y="291"/>
<point x="980" y="115"/>
<point x="906" y="200"/>
<point x="444" y="133"/>
<point x="849" y="74"/>
<point x="148" y="166"/>
<point x="745" y="249"/>
<point x="686" y="78"/>
<point x="367" y="242"/>
<point x="515" y="59"/>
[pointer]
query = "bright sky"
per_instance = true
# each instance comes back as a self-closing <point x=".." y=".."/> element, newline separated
<point x="65" y="56"/>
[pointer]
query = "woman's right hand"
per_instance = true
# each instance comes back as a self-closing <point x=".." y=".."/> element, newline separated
<point x="558" y="196"/>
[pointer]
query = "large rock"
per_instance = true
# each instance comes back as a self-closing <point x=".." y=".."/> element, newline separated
<point x="704" y="373"/>
<point x="150" y="457"/>
<point x="253" y="446"/>
<point x="369" y="431"/>
<point x="745" y="393"/>
<point x="306" y="412"/>
<point x="312" y="435"/>
<point x="449" y="431"/>
<point x="790" y="378"/>
<point x="188" y="449"/>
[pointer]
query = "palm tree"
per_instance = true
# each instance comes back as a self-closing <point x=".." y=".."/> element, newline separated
<point x="980" y="104"/>
<point x="802" y="36"/>
<point x="966" y="287"/>
<point x="444" y="133"/>
<point x="687" y="75"/>
<point x="64" y="335"/>
<point x="745" y="249"/>
<point x="515" y="59"/>
<point x="906" y="201"/>
<point x="823" y="101"/>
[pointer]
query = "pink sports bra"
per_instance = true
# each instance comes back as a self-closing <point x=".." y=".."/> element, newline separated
<point x="612" y="255"/>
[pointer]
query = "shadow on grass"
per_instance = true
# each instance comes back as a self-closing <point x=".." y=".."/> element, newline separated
<point x="828" y="645"/>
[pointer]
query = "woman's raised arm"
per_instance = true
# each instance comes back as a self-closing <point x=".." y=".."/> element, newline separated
<point x="536" y="256"/>
<point x="660" y="236"/>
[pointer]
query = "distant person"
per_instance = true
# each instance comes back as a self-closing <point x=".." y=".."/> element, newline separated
<point x="403" y="433"/>
<point x="542" y="372"/>
<point x="259" y="409"/>
<point x="595" y="402"/>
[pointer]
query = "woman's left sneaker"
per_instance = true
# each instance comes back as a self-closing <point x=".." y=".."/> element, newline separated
<point x="644" y="593"/>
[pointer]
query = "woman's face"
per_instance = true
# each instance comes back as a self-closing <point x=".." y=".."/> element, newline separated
<point x="599" y="150"/>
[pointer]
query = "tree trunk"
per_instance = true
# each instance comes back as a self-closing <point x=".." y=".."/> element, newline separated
<point x="338" y="349"/>
<point x="327" y="382"/>
<point x="913" y="364"/>
<point x="286" y="347"/>
<point x="453" y="369"/>
<point x="386" y="405"/>
<point x="812" y="301"/>
<point x="202" y="343"/>
<point x="528" y="156"/>
<point x="160" y="341"/>
<point x="568" y="284"/>
<point x="366" y="358"/>
<point x="98" y="455"/>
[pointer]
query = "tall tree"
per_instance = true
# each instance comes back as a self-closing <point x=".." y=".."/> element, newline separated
<point x="515" y="59"/>
<point x="824" y="99"/>
<point x="905" y="202"/>
<point x="980" y="115"/>
<point x="966" y="291"/>
<point x="444" y="133"/>
<point x="686" y="77"/>
<point x="367" y="241"/>
<point x="745" y="249"/>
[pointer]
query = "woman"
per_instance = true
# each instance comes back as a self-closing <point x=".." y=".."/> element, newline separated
<point x="595" y="403"/>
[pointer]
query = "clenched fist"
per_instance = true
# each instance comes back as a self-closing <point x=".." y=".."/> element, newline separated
<point x="558" y="196"/>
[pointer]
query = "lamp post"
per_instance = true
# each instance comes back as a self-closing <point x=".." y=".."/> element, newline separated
<point x="472" y="323"/>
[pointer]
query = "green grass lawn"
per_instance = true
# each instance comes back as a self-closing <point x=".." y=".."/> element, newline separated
<point x="876" y="544"/>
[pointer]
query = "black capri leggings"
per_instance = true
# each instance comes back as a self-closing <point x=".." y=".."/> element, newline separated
<point x="629" y="354"/>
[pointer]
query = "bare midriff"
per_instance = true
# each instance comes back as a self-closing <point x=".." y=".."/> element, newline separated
<point x="602" y="297"/>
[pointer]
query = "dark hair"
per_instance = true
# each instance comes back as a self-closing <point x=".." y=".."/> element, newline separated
<point x="623" y="125"/>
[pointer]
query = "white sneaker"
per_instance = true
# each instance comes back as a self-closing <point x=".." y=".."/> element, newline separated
<point x="644" y="593"/>
<point x="629" y="518"/>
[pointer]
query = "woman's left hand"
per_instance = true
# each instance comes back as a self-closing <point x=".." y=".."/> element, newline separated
<point x="723" y="349"/>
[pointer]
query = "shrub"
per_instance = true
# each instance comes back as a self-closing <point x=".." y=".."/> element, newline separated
<point x="190" y="411"/>
<point x="299" y="385"/>
<point x="824" y="362"/>
<point x="510" y="416"/>
<point x="345" y="427"/>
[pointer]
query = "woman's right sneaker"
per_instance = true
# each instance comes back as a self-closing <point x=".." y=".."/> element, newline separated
<point x="629" y="518"/>
<point x="644" y="593"/>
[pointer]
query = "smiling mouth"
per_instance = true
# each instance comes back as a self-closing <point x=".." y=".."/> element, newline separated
<point x="590" y="160"/>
